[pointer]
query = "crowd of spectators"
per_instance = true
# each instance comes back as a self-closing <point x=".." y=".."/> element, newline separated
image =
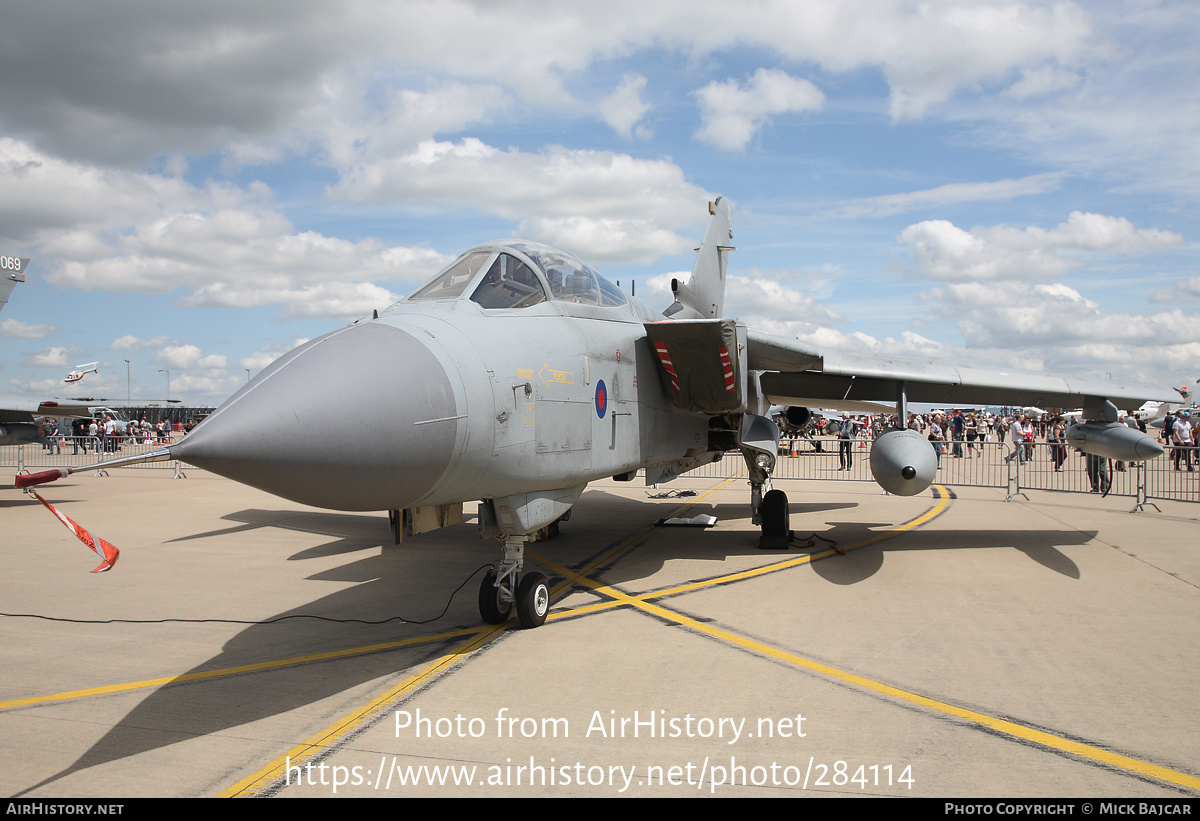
<point x="962" y="434"/>
<point x="105" y="434"/>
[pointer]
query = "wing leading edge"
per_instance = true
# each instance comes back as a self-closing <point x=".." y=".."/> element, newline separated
<point x="796" y="373"/>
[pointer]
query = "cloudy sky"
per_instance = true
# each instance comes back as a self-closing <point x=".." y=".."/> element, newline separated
<point x="202" y="186"/>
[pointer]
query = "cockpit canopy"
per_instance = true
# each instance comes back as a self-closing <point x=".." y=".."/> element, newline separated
<point x="518" y="274"/>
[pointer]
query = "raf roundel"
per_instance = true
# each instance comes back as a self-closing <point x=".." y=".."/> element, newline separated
<point x="601" y="399"/>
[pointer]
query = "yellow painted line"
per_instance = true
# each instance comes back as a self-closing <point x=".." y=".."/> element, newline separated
<point x="1010" y="728"/>
<point x="774" y="567"/>
<point x="571" y="576"/>
<point x="999" y="725"/>
<point x="353" y="651"/>
<point x="925" y="517"/>
<point x="321" y="741"/>
<point x="229" y="671"/>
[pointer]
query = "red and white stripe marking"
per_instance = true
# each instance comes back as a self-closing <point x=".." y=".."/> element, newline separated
<point x="102" y="548"/>
<point x="727" y="366"/>
<point x="664" y="357"/>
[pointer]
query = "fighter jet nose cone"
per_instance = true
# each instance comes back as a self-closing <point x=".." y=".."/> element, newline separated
<point x="359" y="419"/>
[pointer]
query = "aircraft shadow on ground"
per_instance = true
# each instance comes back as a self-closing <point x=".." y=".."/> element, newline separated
<point x="860" y="563"/>
<point x="1042" y="546"/>
<point x="415" y="580"/>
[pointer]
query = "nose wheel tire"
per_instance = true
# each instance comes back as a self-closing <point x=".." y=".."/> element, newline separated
<point x="533" y="600"/>
<point x="494" y="605"/>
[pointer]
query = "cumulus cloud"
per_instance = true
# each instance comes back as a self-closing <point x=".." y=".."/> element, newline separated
<point x="733" y="114"/>
<point x="942" y="250"/>
<point x="25" y="330"/>
<point x="141" y="81"/>
<point x="512" y="183"/>
<point x="623" y="109"/>
<point x="214" y="384"/>
<point x="352" y="129"/>
<point x="179" y="356"/>
<point x="786" y="303"/>
<point x="345" y="301"/>
<point x="600" y="240"/>
<point x="1069" y="332"/>
<point x="50" y="358"/>
<point x="137" y="232"/>
<point x="607" y="194"/>
<point x="777" y="303"/>
<point x="264" y="356"/>
<point x="1185" y="290"/>
<point x="129" y="342"/>
<point x="396" y="118"/>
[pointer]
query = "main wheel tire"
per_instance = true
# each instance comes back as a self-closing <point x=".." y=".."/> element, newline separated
<point x="533" y="600"/>
<point x="776" y="521"/>
<point x="492" y="606"/>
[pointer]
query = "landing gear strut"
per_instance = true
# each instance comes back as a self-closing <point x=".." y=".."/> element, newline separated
<point x="495" y="600"/>
<point x="504" y="587"/>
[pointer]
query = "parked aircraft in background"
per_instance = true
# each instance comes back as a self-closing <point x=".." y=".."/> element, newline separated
<point x="518" y="374"/>
<point x="1152" y="413"/>
<point x="12" y="271"/>
<point x="17" y="414"/>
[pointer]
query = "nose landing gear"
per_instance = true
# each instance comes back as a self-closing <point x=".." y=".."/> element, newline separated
<point x="505" y="587"/>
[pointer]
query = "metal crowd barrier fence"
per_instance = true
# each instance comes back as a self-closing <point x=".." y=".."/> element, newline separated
<point x="81" y="452"/>
<point x="1033" y="466"/>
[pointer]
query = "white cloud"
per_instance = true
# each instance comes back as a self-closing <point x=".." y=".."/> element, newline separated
<point x="50" y="358"/>
<point x="129" y="342"/>
<point x="1065" y="329"/>
<point x="623" y="109"/>
<point x="264" y="356"/>
<point x="136" y="232"/>
<point x="774" y="303"/>
<point x="599" y="240"/>
<point x="602" y="191"/>
<point x="353" y="130"/>
<point x="1185" y="290"/>
<point x="25" y="330"/>
<point x="941" y="250"/>
<point x="733" y="114"/>
<point x="136" y="83"/>
<point x="179" y="356"/>
<point x="340" y="300"/>
<point x="512" y="183"/>
<point x="946" y="195"/>
<point x="1046" y="79"/>
<point x="215" y="385"/>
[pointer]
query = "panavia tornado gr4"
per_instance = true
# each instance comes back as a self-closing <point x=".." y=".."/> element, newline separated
<point x="518" y="374"/>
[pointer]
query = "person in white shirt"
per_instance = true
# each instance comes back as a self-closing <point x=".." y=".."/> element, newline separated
<point x="1019" y="428"/>
<point x="1181" y="437"/>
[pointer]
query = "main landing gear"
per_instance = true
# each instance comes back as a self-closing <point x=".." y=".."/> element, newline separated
<point x="505" y="587"/>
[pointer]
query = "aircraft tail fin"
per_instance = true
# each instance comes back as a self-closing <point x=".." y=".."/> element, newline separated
<point x="13" y="272"/>
<point x="703" y="295"/>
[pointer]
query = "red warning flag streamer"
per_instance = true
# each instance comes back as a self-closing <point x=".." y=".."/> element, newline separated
<point x="102" y="548"/>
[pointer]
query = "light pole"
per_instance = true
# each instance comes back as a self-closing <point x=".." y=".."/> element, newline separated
<point x="128" y="401"/>
<point x="167" y="371"/>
